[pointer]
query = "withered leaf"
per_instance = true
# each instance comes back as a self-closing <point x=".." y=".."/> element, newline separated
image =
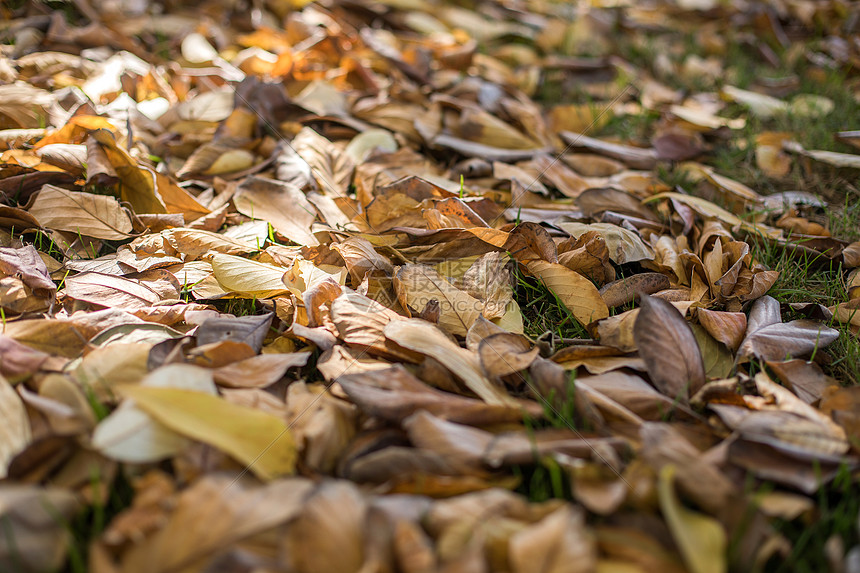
<point x="425" y="338"/>
<point x="26" y="264"/>
<point x="331" y="166"/>
<point x="576" y="292"/>
<point x="35" y="540"/>
<point x="395" y="394"/>
<point x="16" y="432"/>
<point x="233" y="510"/>
<point x="248" y="278"/>
<point x="626" y="290"/>
<point x="250" y="330"/>
<point x="624" y="245"/>
<point x="281" y="204"/>
<point x="334" y="516"/>
<point x="633" y="156"/>
<point x="594" y="201"/>
<point x="503" y="354"/>
<point x="98" y="216"/>
<point x="670" y="351"/>
<point x="416" y="285"/>
<point x="129" y="434"/>
<point x="701" y="539"/>
<point x="111" y="291"/>
<point x="556" y="543"/>
<point x="261" y="441"/>
<point x="768" y="338"/>
<point x="258" y="371"/>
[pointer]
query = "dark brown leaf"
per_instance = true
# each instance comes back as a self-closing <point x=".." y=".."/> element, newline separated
<point x="670" y="351"/>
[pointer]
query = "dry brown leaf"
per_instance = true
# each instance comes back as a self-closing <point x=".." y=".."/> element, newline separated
<point x="360" y="322"/>
<point x="111" y="291"/>
<point x="557" y="543"/>
<point x="417" y="285"/>
<point x="851" y="255"/>
<point x="16" y="433"/>
<point x="281" y="204"/>
<point x="577" y="293"/>
<point x="767" y="337"/>
<point x="626" y="290"/>
<point x="232" y="510"/>
<point x="333" y="517"/>
<point x="361" y="258"/>
<point x="36" y="539"/>
<point x="423" y="337"/>
<point x="394" y="394"/>
<point x="727" y="327"/>
<point x="330" y="165"/>
<point x="504" y="353"/>
<point x="670" y="351"/>
<point x="803" y="378"/>
<point x="323" y="424"/>
<point x="259" y="371"/>
<point x="635" y="157"/>
<point x="98" y="216"/>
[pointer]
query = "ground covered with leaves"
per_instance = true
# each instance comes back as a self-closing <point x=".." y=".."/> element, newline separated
<point x="400" y="286"/>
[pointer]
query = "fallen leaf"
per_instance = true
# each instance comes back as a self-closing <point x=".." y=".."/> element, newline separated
<point x="394" y="394"/>
<point x="281" y="204"/>
<point x="129" y="434"/>
<point x="425" y="338"/>
<point x="16" y="434"/>
<point x="36" y="539"/>
<point x="557" y="543"/>
<point x="232" y="509"/>
<point x="503" y="354"/>
<point x="624" y="245"/>
<point x="670" y="351"/>
<point x="249" y="278"/>
<point x="578" y="294"/>
<point x="334" y="516"/>
<point x="98" y="216"/>
<point x="417" y="285"/>
<point x="626" y="290"/>
<point x="768" y="338"/>
<point x="727" y="327"/>
<point x="260" y="441"/>
<point x="259" y="371"/>
<point x="701" y="539"/>
<point x="249" y="330"/>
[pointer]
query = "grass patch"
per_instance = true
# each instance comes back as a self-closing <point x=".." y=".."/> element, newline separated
<point x="835" y="517"/>
<point x="542" y="311"/>
<point x="90" y="523"/>
<point x="237" y="306"/>
<point x="808" y="278"/>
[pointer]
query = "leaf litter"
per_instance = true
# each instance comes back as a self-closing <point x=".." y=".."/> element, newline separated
<point x="276" y="267"/>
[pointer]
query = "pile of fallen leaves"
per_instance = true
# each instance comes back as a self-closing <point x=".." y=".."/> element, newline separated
<point x="261" y="261"/>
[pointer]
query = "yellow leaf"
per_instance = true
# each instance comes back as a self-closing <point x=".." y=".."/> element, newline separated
<point x="15" y="433"/>
<point x="255" y="279"/>
<point x="576" y="292"/>
<point x="700" y="538"/>
<point x="261" y="441"/>
<point x="417" y="285"/>
<point x="138" y="185"/>
<point x="512" y="320"/>
<point x="231" y="161"/>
